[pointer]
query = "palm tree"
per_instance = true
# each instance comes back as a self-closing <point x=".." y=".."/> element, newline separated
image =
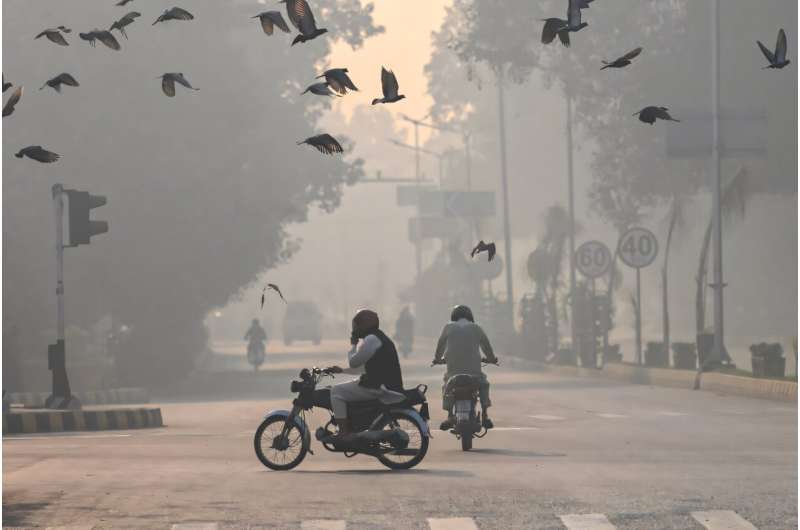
<point x="736" y="193"/>
<point x="676" y="220"/>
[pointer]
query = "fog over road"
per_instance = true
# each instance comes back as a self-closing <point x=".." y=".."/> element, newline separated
<point x="643" y="457"/>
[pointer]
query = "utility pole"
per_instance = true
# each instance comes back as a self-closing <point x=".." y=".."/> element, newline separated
<point x="718" y="352"/>
<point x="571" y="207"/>
<point x="504" y="180"/>
<point x="417" y="176"/>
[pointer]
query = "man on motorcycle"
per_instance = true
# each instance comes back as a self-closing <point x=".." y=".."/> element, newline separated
<point x="255" y="336"/>
<point x="404" y="330"/>
<point x="459" y="344"/>
<point x="376" y="359"/>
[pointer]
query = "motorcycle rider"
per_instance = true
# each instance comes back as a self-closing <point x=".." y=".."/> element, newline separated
<point x="256" y="337"/>
<point x="376" y="359"/>
<point x="404" y="328"/>
<point x="459" y="344"/>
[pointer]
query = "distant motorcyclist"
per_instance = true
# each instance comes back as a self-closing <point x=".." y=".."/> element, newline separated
<point x="404" y="331"/>
<point x="460" y="344"/>
<point x="256" y="336"/>
<point x="374" y="355"/>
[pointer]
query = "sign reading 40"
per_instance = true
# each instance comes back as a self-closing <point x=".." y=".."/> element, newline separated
<point x="638" y="247"/>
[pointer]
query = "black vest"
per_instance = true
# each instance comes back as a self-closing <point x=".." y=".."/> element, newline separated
<point x="383" y="368"/>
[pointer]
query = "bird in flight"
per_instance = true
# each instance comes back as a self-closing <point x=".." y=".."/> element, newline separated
<point x="6" y="86"/>
<point x="390" y="88"/>
<point x="302" y="18"/>
<point x="36" y="152"/>
<point x="168" y="81"/>
<point x="623" y="61"/>
<point x="320" y="89"/>
<point x="651" y="114"/>
<point x="16" y="95"/>
<point x="338" y="80"/>
<point x="778" y="58"/>
<point x="174" y="13"/>
<point x="124" y="21"/>
<point x="561" y="27"/>
<point x="324" y="143"/>
<point x="124" y="2"/>
<point x="490" y="248"/>
<point x="272" y="287"/>
<point x="61" y="79"/>
<point x="104" y="36"/>
<point x="270" y="19"/>
<point x="54" y="35"/>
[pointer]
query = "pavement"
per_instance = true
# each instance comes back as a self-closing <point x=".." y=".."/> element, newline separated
<point x="574" y="453"/>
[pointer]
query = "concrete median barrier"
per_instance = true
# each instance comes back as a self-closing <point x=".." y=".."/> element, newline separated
<point x="112" y="396"/>
<point x="749" y="386"/>
<point x="38" y="421"/>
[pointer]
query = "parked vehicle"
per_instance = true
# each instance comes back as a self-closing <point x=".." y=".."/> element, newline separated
<point x="397" y="435"/>
<point x="303" y="321"/>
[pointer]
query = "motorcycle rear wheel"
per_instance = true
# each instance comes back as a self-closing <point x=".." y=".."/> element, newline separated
<point x="417" y="440"/>
<point x="466" y="442"/>
<point x="279" y="459"/>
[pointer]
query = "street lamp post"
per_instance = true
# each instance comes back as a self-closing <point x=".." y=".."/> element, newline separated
<point x="571" y="205"/>
<point x="504" y="182"/>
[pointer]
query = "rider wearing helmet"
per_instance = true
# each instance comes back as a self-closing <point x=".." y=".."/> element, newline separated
<point x="255" y="334"/>
<point x="374" y="356"/>
<point x="460" y="344"/>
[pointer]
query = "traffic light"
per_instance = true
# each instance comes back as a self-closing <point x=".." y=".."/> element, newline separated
<point x="81" y="228"/>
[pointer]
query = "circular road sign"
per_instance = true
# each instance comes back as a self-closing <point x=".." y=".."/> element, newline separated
<point x="638" y="247"/>
<point x="593" y="259"/>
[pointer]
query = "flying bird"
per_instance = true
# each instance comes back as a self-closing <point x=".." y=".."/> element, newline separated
<point x="125" y="21"/>
<point x="338" y="80"/>
<point x="320" y="89"/>
<point x="490" y="248"/>
<point x="54" y="35"/>
<point x="584" y="4"/>
<point x="61" y="79"/>
<point x="390" y="88"/>
<point x="8" y="108"/>
<point x="651" y="114"/>
<point x="104" y="36"/>
<point x="168" y="81"/>
<point x="6" y="86"/>
<point x="623" y="61"/>
<point x="778" y="59"/>
<point x="324" y="143"/>
<point x="561" y="27"/>
<point x="272" y="287"/>
<point x="302" y="18"/>
<point x="270" y="19"/>
<point x="174" y="13"/>
<point x="124" y="2"/>
<point x="38" y="153"/>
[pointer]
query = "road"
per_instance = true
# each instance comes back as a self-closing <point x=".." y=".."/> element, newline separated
<point x="576" y="453"/>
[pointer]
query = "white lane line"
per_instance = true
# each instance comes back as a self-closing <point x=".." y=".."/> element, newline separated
<point x="50" y="436"/>
<point x="671" y="413"/>
<point x="722" y="520"/>
<point x="195" y="526"/>
<point x="323" y="524"/>
<point x="71" y="527"/>
<point x="516" y="429"/>
<point x="586" y="521"/>
<point x="452" y="523"/>
<point x="611" y="415"/>
<point x="545" y="417"/>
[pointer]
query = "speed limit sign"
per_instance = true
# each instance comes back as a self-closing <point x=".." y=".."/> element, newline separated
<point x="638" y="247"/>
<point x="593" y="259"/>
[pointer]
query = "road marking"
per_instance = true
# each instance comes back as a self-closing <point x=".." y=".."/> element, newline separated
<point x="545" y="417"/>
<point x="515" y="429"/>
<point x="586" y="521"/>
<point x="323" y="524"/>
<point x="72" y="527"/>
<point x="195" y="526"/>
<point x="722" y="520"/>
<point x="610" y="415"/>
<point x="452" y="523"/>
<point x="671" y="413"/>
<point x="48" y="436"/>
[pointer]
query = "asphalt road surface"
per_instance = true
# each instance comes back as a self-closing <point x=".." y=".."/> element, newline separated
<point x="575" y="453"/>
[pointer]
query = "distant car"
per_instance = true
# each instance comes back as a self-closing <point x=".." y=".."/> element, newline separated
<point x="303" y="321"/>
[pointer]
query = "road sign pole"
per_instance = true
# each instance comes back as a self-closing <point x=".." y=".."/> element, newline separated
<point x="593" y="314"/>
<point x="504" y="178"/>
<point x="719" y="345"/>
<point x="571" y="204"/>
<point x="418" y="244"/>
<point x="58" y="201"/>
<point x="638" y="316"/>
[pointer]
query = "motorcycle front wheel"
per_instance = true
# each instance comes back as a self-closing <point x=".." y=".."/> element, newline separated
<point x="416" y="449"/>
<point x="276" y="451"/>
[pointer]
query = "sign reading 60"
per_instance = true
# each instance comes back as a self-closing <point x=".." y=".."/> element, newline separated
<point x="593" y="259"/>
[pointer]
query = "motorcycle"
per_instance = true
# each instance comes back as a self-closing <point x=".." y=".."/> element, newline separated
<point x="464" y="392"/>
<point x="396" y="434"/>
<point x="405" y="345"/>
<point x="256" y="354"/>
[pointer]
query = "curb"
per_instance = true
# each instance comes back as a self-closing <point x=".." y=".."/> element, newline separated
<point x="99" y="397"/>
<point x="80" y="420"/>
<point x="687" y="379"/>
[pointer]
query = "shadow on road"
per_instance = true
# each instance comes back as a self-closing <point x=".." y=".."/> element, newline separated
<point x="430" y="472"/>
<point x="16" y="514"/>
<point x="514" y="452"/>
